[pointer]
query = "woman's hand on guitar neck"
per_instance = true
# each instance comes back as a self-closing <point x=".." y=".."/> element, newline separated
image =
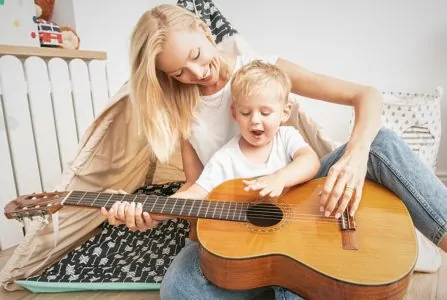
<point x="131" y="214"/>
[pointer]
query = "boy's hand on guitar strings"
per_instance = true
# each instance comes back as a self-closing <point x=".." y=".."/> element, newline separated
<point x="270" y="185"/>
<point x="345" y="179"/>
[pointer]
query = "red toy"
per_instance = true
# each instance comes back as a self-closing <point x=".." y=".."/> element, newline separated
<point x="49" y="33"/>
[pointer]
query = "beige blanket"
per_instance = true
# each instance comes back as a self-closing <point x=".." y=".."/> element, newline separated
<point x="111" y="155"/>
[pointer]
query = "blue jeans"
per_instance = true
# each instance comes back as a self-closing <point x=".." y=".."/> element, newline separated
<point x="391" y="163"/>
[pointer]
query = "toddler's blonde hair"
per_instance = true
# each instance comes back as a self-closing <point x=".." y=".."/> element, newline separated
<point x="256" y="76"/>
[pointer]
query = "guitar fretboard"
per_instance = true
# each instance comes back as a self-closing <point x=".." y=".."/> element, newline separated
<point x="196" y="208"/>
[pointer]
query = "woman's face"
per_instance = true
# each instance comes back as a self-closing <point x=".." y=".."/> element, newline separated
<point x="189" y="57"/>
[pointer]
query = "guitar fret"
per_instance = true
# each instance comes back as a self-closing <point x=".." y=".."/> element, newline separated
<point x="127" y="198"/>
<point x="153" y="205"/>
<point x="94" y="200"/>
<point x="186" y="207"/>
<point x="207" y="208"/>
<point x="192" y="205"/>
<point x="200" y="207"/>
<point x="163" y="206"/>
<point x="240" y="214"/>
<point x="144" y="202"/>
<point x="148" y="202"/>
<point x="172" y="210"/>
<point x="221" y="210"/>
<point x="214" y="211"/>
<point x="102" y="199"/>
<point x="243" y="211"/>
<point x="80" y="199"/>
<point x="228" y="211"/>
<point x="183" y="206"/>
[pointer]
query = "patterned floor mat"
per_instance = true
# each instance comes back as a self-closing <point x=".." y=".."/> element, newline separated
<point x="120" y="255"/>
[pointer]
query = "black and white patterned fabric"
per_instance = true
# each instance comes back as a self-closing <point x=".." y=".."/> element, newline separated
<point x="220" y="27"/>
<point x="120" y="255"/>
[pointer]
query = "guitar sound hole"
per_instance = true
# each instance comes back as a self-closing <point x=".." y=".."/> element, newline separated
<point x="264" y="214"/>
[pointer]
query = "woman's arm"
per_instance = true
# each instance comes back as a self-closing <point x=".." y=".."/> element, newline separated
<point x="192" y="167"/>
<point x="348" y="174"/>
<point x="366" y="101"/>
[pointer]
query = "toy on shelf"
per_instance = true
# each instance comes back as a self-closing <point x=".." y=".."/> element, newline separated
<point x="49" y="33"/>
<point x="52" y="34"/>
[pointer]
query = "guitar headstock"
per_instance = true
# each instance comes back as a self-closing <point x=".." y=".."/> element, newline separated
<point x="28" y="206"/>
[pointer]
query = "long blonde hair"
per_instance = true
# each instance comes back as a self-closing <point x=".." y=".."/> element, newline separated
<point x="163" y="107"/>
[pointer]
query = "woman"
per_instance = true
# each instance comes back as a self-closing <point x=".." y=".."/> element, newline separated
<point x="180" y="91"/>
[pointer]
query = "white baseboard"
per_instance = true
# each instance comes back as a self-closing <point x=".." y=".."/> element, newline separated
<point x="442" y="175"/>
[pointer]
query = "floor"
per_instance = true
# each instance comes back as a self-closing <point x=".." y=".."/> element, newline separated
<point x="423" y="286"/>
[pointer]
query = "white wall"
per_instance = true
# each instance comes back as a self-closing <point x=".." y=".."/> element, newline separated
<point x="106" y="25"/>
<point x="392" y="45"/>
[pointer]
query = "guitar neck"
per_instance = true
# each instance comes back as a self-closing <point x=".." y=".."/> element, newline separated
<point x="162" y="205"/>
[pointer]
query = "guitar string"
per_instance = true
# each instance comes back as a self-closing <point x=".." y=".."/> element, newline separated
<point x="299" y="217"/>
<point x="259" y="209"/>
<point x="171" y="204"/>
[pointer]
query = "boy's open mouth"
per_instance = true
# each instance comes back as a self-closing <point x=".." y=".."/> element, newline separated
<point x="257" y="132"/>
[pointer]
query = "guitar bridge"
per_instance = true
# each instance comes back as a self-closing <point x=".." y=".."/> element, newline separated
<point x="348" y="232"/>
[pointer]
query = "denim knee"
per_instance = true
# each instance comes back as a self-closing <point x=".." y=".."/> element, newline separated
<point x="183" y="276"/>
<point x="385" y="138"/>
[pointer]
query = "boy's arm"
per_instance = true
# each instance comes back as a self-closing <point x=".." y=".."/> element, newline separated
<point x="305" y="162"/>
<point x="303" y="167"/>
<point x="195" y="191"/>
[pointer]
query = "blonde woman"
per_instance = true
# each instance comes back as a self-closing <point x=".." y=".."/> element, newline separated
<point x="180" y="90"/>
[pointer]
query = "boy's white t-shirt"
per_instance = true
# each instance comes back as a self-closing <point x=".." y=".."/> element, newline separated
<point x="229" y="162"/>
<point x="214" y="126"/>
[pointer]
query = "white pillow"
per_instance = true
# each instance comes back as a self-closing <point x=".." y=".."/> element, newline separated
<point x="417" y="119"/>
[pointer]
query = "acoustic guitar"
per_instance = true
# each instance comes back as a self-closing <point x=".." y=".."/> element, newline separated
<point x="248" y="242"/>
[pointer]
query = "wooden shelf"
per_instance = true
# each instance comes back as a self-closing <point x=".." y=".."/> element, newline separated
<point x="46" y="52"/>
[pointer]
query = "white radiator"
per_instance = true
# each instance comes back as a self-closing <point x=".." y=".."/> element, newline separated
<point x="47" y="103"/>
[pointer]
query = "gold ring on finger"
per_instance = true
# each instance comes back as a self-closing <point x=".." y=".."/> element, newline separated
<point x="349" y="189"/>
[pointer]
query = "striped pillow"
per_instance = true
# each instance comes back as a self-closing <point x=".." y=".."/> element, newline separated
<point x="417" y="119"/>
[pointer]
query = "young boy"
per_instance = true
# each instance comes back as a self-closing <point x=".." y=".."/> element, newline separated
<point x="276" y="155"/>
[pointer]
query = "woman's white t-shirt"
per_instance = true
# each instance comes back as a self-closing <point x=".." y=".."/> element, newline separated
<point x="214" y="126"/>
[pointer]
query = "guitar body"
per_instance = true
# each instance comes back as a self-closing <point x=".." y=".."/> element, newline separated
<point x="301" y="250"/>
